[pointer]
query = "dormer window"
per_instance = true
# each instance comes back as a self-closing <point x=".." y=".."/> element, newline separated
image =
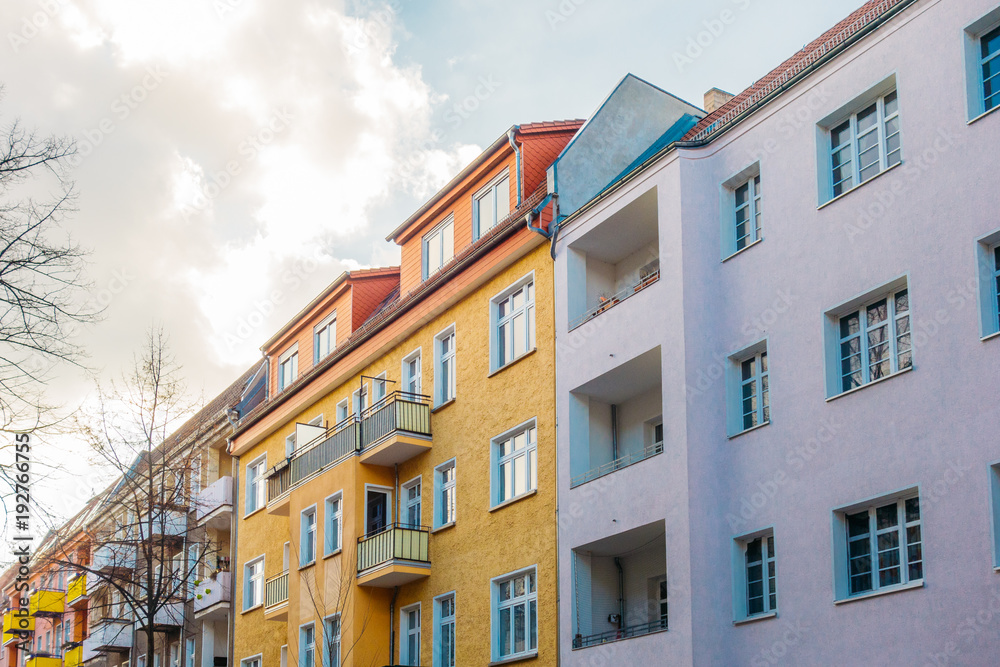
<point x="325" y="337"/>
<point x="490" y="205"/>
<point x="439" y="247"/>
<point x="288" y="367"/>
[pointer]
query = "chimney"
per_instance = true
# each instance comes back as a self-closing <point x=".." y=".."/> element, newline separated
<point x="715" y="98"/>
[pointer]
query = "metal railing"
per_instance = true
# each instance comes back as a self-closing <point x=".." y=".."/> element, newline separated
<point x="617" y="464"/>
<point x="623" y="633"/>
<point x="339" y="441"/>
<point x="276" y="590"/>
<point x="399" y="411"/>
<point x="616" y="298"/>
<point x="394" y="542"/>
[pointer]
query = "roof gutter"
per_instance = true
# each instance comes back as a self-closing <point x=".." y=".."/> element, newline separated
<point x="756" y="106"/>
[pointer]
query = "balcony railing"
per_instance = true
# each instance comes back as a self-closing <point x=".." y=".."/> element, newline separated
<point x="108" y="634"/>
<point x="623" y="633"/>
<point x="617" y="464"/>
<point x="394" y="542"/>
<point x="213" y="591"/>
<point x="400" y="411"/>
<point x="43" y="660"/>
<point x="73" y="657"/>
<point x="164" y="523"/>
<point x="114" y="556"/>
<point x="17" y="625"/>
<point x="47" y="603"/>
<point x="77" y="592"/>
<point x="276" y="591"/>
<point x="170" y="614"/>
<point x="649" y="276"/>
<point x="339" y="441"/>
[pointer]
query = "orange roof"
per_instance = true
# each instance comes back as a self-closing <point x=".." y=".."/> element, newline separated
<point x="549" y="125"/>
<point x="872" y="12"/>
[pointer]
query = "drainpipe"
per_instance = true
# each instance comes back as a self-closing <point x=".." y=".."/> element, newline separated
<point x="517" y="153"/>
<point x="555" y="224"/>
<point x="621" y="593"/>
<point x="614" y="432"/>
<point x="234" y="527"/>
<point x="392" y="626"/>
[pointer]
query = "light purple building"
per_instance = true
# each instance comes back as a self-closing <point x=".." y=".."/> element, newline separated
<point x="778" y="370"/>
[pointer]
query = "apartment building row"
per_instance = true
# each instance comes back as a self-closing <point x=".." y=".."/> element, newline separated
<point x="703" y="386"/>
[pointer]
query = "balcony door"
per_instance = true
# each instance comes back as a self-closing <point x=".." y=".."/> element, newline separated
<point x="378" y="506"/>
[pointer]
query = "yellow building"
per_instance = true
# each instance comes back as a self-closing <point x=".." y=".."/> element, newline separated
<point x="397" y="486"/>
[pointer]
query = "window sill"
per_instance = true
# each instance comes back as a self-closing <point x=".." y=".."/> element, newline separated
<point x="756" y="617"/>
<point x="253" y="608"/>
<point x="884" y="591"/>
<point x="518" y="658"/>
<point x="512" y="362"/>
<point x="873" y="382"/>
<point x="983" y="115"/>
<point x="335" y="552"/>
<point x="741" y="250"/>
<point x="306" y="566"/>
<point x="443" y="527"/>
<point x="859" y="185"/>
<point x="995" y="334"/>
<point x="511" y="501"/>
<point x="442" y="406"/>
<point x="259" y="509"/>
<point x="749" y="430"/>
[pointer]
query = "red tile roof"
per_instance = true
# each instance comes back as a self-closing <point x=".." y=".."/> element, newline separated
<point x="863" y="17"/>
<point x="550" y="125"/>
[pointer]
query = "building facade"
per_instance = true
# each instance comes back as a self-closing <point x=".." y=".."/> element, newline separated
<point x="777" y="362"/>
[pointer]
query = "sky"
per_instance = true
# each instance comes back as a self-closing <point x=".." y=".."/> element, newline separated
<point x="235" y="156"/>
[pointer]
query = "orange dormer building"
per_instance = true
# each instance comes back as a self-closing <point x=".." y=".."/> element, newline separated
<point x="396" y="486"/>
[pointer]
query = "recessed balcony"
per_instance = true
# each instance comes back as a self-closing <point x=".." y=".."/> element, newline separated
<point x="109" y="634"/>
<point x="47" y="603"/>
<point x="17" y="625"/>
<point x="396" y="429"/>
<point x="162" y="525"/>
<point x="114" y="556"/>
<point x="76" y="594"/>
<point x="276" y="597"/>
<point x="214" y="505"/>
<point x="394" y="556"/>
<point x="212" y="596"/>
<point x="339" y="441"/>
<point x="167" y="617"/>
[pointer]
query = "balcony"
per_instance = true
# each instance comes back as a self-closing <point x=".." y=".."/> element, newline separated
<point x="396" y="429"/>
<point x="73" y="657"/>
<point x="276" y="597"/>
<point x="394" y="556"/>
<point x="43" y="660"/>
<point x="616" y="419"/>
<point x="14" y="624"/>
<point x="339" y="442"/>
<point x="44" y="603"/>
<point x="214" y="505"/>
<point x="168" y="616"/>
<point x="165" y="525"/>
<point x="211" y="597"/>
<point x="76" y="596"/>
<point x="114" y="556"/>
<point x="108" y="634"/>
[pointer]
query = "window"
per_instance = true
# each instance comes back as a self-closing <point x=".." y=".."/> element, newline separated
<point x="444" y="381"/>
<point x="995" y="496"/>
<point x="325" y="337"/>
<point x="195" y="476"/>
<point x="515" y="455"/>
<point x="491" y="205"/>
<point x="343" y="410"/>
<point x="334" y="524"/>
<point x="175" y="654"/>
<point x="411" y="503"/>
<point x="141" y="662"/>
<point x="865" y="144"/>
<point x="307" y="537"/>
<point x="289" y="445"/>
<point x="189" y="652"/>
<point x="878" y="545"/>
<point x="513" y="316"/>
<point x="515" y="630"/>
<point x="444" y="481"/>
<point x="378" y="388"/>
<point x="58" y="635"/>
<point x="988" y="265"/>
<point x="411" y="373"/>
<point x="68" y="627"/>
<point x="253" y="583"/>
<point x="360" y="400"/>
<point x="757" y="582"/>
<point x="875" y="340"/>
<point x="256" y="487"/>
<point x="444" y="643"/>
<point x="755" y="403"/>
<point x="439" y="247"/>
<point x="288" y="367"/>
<point x="409" y="649"/>
<point x="254" y="661"/>
<point x="989" y="67"/>
<point x="331" y="641"/>
<point x="748" y="213"/>
<point x="307" y="645"/>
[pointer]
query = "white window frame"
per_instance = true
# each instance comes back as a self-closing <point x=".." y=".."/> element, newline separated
<point x="328" y="328"/>
<point x="405" y="503"/>
<point x="500" y="357"/>
<point x="252" y="661"/>
<point x="442" y="624"/>
<point x="994" y="472"/>
<point x="405" y="632"/>
<point x="361" y="397"/>
<point x="529" y="452"/>
<point x="897" y="326"/>
<point x="842" y="542"/>
<point x="290" y="445"/>
<point x="734" y="388"/>
<point x="190" y="656"/>
<point x="441" y="512"/>
<point x="995" y="78"/>
<point x="256" y="485"/>
<point x="988" y="270"/>
<point x="388" y="491"/>
<point x="410" y="380"/>
<point x="328" y="530"/>
<point x="974" y="62"/>
<point x="497" y="606"/>
<point x="253" y="584"/>
<point x="194" y="483"/>
<point x="306" y="533"/>
<point x="493" y="190"/>
<point x="290" y="357"/>
<point x="331" y="638"/>
<point x="304" y="647"/>
<point x="343" y="410"/>
<point x="439" y="235"/>
<point x="741" y="575"/>
<point x="175" y="654"/>
<point x="380" y="388"/>
<point x="445" y="393"/>
<point x="729" y="207"/>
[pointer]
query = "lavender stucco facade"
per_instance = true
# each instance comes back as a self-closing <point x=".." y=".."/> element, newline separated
<point x="656" y="312"/>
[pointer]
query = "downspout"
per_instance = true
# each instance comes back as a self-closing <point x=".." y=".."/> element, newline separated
<point x="234" y="527"/>
<point x="392" y="626"/>
<point x="621" y="593"/>
<point x="614" y="432"/>
<point x="511" y="133"/>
